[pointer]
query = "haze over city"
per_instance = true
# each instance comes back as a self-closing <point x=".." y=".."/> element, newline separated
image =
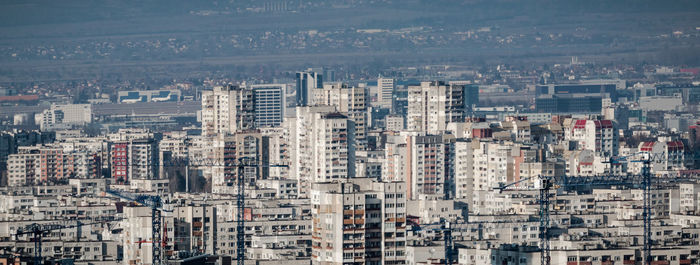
<point x="350" y="132"/>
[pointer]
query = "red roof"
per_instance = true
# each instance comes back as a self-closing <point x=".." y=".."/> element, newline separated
<point x="580" y="124"/>
<point x="694" y="71"/>
<point x="605" y="124"/>
<point x="19" y="98"/>
<point x="675" y="146"/>
<point x="646" y="146"/>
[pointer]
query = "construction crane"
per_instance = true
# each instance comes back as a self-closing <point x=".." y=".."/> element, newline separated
<point x="545" y="186"/>
<point x="449" y="245"/>
<point x="156" y="205"/>
<point x="547" y="183"/>
<point x="39" y="230"/>
<point x="446" y="230"/>
<point x="242" y="164"/>
<point x="543" y="202"/>
<point x="646" y="185"/>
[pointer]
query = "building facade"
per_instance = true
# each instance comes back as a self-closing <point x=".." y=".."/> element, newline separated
<point x="323" y="146"/>
<point x="432" y="105"/>
<point x="270" y="103"/>
<point x="358" y="222"/>
<point x="226" y="110"/>
<point x="306" y="82"/>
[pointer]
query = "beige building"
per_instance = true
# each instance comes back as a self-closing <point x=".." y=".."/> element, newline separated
<point x="359" y="221"/>
<point x="419" y="160"/>
<point x="350" y="101"/>
<point x="385" y="90"/>
<point x="226" y="110"/>
<point x="432" y="105"/>
<point x="322" y="146"/>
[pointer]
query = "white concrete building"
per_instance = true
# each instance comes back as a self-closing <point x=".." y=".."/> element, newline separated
<point x="598" y="136"/>
<point x="666" y="156"/>
<point x="322" y="145"/>
<point x="432" y="105"/>
<point x="358" y="221"/>
<point x="64" y="114"/>
<point x="462" y="161"/>
<point x="350" y="101"/>
<point x="226" y="110"/>
<point x="385" y="90"/>
<point x="689" y="198"/>
<point x="394" y="123"/>
<point x="419" y="160"/>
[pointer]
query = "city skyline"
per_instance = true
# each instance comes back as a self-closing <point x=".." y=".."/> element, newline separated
<point x="350" y="132"/>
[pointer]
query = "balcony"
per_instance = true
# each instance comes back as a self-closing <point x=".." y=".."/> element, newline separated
<point x="359" y="221"/>
<point x="628" y="262"/>
<point x="684" y="261"/>
<point x="660" y="262"/>
<point x="197" y="224"/>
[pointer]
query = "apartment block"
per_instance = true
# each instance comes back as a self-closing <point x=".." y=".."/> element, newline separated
<point x="134" y="159"/>
<point x="432" y="105"/>
<point x="270" y="103"/>
<point x="60" y="115"/>
<point x="666" y="155"/>
<point x="351" y="101"/>
<point x="227" y="109"/>
<point x="358" y="221"/>
<point x="322" y="146"/>
<point x="23" y="168"/>
<point x="306" y="82"/>
<point x="598" y="136"/>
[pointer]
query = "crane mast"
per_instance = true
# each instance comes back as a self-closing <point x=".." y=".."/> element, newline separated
<point x="547" y="183"/>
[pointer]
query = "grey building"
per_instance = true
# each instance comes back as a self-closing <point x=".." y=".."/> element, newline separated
<point x="569" y="103"/>
<point x="306" y="81"/>
<point x="269" y="104"/>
